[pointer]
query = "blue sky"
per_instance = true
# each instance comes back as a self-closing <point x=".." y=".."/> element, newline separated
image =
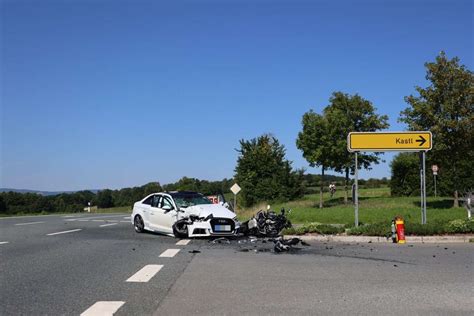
<point x="98" y="94"/>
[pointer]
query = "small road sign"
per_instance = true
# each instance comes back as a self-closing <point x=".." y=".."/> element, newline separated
<point x="435" y="169"/>
<point x="389" y="141"/>
<point x="235" y="189"/>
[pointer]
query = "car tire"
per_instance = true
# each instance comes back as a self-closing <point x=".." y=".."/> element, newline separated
<point x="138" y="224"/>
<point x="180" y="229"/>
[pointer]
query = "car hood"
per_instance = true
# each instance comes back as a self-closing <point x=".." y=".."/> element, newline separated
<point x="204" y="210"/>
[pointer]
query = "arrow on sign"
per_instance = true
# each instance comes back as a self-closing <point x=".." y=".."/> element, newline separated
<point x="422" y="140"/>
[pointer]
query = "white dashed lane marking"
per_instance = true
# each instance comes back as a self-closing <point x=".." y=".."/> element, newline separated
<point x="64" y="232"/>
<point x="28" y="223"/>
<point x="169" y="253"/>
<point x="4" y="242"/>
<point x="103" y="308"/>
<point x="105" y="225"/>
<point x="183" y="242"/>
<point x="146" y="273"/>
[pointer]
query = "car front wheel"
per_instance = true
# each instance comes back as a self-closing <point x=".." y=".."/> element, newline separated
<point x="180" y="229"/>
<point x="138" y="224"/>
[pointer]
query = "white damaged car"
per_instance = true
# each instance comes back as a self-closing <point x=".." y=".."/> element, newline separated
<point x="183" y="214"/>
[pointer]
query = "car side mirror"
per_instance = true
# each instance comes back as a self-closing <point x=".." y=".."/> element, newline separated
<point x="167" y="208"/>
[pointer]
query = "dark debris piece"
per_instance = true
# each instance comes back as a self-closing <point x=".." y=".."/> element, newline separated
<point x="194" y="251"/>
<point x="284" y="245"/>
<point x="221" y="240"/>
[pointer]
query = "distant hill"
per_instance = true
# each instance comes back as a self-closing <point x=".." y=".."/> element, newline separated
<point x="44" y="193"/>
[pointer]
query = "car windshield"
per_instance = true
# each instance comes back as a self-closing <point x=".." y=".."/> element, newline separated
<point x="185" y="200"/>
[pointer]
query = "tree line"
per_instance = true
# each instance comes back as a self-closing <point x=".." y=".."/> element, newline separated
<point x="18" y="203"/>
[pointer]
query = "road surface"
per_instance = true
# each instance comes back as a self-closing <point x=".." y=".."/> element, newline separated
<point x="95" y="264"/>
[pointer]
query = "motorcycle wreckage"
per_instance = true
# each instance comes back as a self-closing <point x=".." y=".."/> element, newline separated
<point x="269" y="224"/>
<point x="266" y="224"/>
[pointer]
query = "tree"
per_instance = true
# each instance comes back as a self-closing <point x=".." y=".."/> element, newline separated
<point x="316" y="143"/>
<point x="264" y="174"/>
<point x="152" y="187"/>
<point x="3" y="206"/>
<point x="405" y="180"/>
<point x="351" y="113"/>
<point x="104" y="198"/>
<point x="446" y="108"/>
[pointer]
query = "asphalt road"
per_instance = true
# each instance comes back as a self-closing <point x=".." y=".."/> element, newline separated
<point x="87" y="268"/>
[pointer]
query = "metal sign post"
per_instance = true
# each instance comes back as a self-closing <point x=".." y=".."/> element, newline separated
<point x="435" y="169"/>
<point x="356" y="202"/>
<point x="235" y="189"/>
<point x="424" y="187"/>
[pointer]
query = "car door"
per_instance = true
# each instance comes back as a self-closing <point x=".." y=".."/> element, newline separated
<point x="154" y="213"/>
<point x="164" y="214"/>
<point x="145" y="208"/>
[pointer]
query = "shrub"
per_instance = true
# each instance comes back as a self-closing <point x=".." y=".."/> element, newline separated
<point x="375" y="229"/>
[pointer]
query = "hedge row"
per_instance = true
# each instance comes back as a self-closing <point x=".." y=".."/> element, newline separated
<point x="383" y="229"/>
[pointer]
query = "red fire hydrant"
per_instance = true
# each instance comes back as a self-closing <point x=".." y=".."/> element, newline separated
<point x="400" y="229"/>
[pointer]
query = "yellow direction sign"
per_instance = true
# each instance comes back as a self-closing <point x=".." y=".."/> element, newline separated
<point x="389" y="141"/>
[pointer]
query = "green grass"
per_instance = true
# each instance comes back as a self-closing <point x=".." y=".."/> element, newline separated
<point x="375" y="205"/>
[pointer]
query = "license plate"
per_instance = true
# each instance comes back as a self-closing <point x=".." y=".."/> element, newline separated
<point x="222" y="228"/>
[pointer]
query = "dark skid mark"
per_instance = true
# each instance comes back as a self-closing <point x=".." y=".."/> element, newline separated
<point x="365" y="258"/>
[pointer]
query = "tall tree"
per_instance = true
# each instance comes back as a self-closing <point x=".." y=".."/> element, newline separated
<point x="446" y="108"/>
<point x="263" y="172"/>
<point x="316" y="143"/>
<point x="104" y="198"/>
<point x="351" y="113"/>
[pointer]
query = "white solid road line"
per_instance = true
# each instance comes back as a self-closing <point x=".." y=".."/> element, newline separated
<point x="146" y="273"/>
<point x="128" y="217"/>
<point x="125" y="222"/>
<point x="4" y="242"/>
<point x="103" y="308"/>
<point x="169" y="253"/>
<point x="100" y="217"/>
<point x="64" y="232"/>
<point x="183" y="242"/>
<point x="28" y="223"/>
<point x="105" y="225"/>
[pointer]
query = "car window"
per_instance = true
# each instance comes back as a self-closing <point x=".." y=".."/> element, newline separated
<point x="148" y="201"/>
<point x="165" y="201"/>
<point x="156" y="200"/>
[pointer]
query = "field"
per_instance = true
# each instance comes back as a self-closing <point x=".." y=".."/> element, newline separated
<point x="375" y="205"/>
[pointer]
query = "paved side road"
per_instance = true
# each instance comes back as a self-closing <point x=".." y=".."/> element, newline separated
<point x="326" y="279"/>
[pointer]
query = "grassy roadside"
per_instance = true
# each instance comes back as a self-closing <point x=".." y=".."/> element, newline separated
<point x="375" y="205"/>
